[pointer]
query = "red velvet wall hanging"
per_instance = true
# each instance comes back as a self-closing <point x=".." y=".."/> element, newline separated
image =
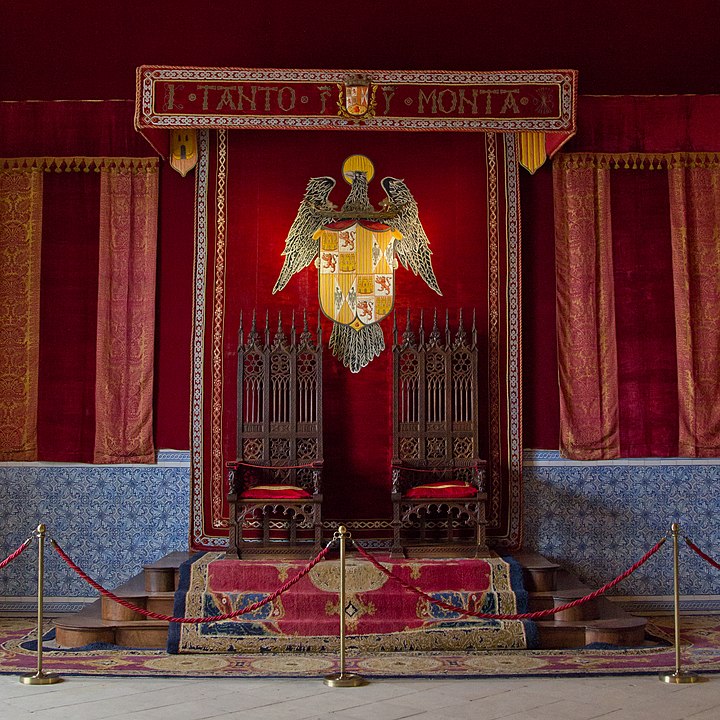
<point x="248" y="187"/>
<point x="248" y="190"/>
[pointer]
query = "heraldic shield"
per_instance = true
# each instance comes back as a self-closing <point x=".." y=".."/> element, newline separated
<point x="356" y="250"/>
<point x="357" y="271"/>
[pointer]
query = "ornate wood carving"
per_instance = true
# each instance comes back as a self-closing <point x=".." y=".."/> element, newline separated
<point x="279" y="441"/>
<point x="435" y="437"/>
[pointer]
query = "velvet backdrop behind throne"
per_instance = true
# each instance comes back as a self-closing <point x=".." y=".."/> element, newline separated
<point x="248" y="187"/>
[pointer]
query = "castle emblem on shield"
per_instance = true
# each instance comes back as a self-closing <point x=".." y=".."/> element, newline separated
<point x="356" y="250"/>
<point x="357" y="98"/>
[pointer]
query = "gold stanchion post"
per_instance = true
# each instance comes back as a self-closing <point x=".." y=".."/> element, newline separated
<point x="343" y="679"/>
<point x="679" y="676"/>
<point x="40" y="677"/>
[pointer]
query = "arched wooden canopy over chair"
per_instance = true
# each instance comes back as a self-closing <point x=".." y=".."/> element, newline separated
<point x="438" y="479"/>
<point x="275" y="493"/>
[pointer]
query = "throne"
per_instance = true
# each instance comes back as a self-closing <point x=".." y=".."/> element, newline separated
<point x="275" y="483"/>
<point x="438" y="480"/>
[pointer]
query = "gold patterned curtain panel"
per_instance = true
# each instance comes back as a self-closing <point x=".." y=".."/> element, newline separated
<point x="695" y="228"/>
<point x="126" y="316"/>
<point x="127" y="235"/>
<point x="587" y="357"/>
<point x="588" y="280"/>
<point x="20" y="236"/>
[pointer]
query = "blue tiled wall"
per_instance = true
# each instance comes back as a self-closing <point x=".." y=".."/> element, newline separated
<point x="597" y="518"/>
<point x="110" y="519"/>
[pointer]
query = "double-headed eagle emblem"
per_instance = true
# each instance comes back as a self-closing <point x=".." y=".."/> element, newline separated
<point x="355" y="250"/>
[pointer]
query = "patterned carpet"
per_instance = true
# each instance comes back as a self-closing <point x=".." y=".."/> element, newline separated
<point x="381" y="615"/>
<point x="700" y="653"/>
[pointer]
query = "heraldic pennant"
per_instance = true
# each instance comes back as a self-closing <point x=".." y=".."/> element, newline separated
<point x="356" y="251"/>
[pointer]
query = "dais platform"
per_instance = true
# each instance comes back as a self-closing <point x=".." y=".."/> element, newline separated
<point x="548" y="585"/>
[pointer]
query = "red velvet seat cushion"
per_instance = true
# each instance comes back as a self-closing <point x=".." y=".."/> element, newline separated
<point x="443" y="489"/>
<point x="275" y="492"/>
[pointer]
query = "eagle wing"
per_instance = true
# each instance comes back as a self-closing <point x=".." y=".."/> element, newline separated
<point x="413" y="249"/>
<point x="300" y="248"/>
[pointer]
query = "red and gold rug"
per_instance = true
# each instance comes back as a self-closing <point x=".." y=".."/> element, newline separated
<point x="380" y="614"/>
<point x="700" y="653"/>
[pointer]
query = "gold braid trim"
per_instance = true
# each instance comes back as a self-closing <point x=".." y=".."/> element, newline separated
<point x="639" y="161"/>
<point x="85" y="164"/>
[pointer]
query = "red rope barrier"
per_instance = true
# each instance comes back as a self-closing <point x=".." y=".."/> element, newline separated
<point x="518" y="616"/>
<point x="215" y="618"/>
<point x="703" y="555"/>
<point x="12" y="556"/>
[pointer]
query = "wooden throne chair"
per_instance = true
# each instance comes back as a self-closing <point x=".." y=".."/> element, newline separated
<point x="275" y="494"/>
<point x="438" y="479"/>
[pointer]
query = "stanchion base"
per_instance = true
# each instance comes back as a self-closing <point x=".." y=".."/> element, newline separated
<point x="681" y="677"/>
<point x="345" y="680"/>
<point x="40" y="678"/>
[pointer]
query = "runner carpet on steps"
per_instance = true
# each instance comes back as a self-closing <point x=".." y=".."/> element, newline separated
<point x="380" y="615"/>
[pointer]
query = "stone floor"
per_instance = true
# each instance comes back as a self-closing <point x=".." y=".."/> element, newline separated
<point x="610" y="698"/>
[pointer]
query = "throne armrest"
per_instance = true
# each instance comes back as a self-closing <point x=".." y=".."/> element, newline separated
<point x="402" y="477"/>
<point x="405" y="476"/>
<point x="238" y="472"/>
<point x="317" y="468"/>
<point x="479" y="475"/>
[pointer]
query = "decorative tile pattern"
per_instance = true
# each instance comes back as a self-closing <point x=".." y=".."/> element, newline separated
<point x="597" y="518"/>
<point x="593" y="518"/>
<point x="111" y="519"/>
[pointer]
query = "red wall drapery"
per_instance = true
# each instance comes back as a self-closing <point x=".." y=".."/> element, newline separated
<point x="250" y="190"/>
<point x="664" y="245"/>
<point x="75" y="143"/>
<point x="126" y="316"/>
<point x="695" y="223"/>
<point x="586" y="313"/>
<point x="614" y="124"/>
<point x="20" y="241"/>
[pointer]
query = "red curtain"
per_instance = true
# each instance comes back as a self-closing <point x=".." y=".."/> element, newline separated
<point x="68" y="310"/>
<point x="587" y="356"/>
<point x="20" y="240"/>
<point x="661" y="260"/>
<point x="695" y="223"/>
<point x="126" y="315"/>
<point x="67" y="147"/>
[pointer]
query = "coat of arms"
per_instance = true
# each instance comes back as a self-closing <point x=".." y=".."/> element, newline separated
<point x="355" y="250"/>
<point x="357" y="98"/>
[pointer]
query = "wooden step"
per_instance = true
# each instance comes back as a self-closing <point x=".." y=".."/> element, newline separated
<point x="597" y="621"/>
<point x="539" y="574"/>
<point x="107" y="621"/>
<point x="87" y="627"/>
<point x="164" y="574"/>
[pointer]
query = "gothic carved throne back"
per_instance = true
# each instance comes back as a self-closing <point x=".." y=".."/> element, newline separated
<point x="438" y="477"/>
<point x="275" y="483"/>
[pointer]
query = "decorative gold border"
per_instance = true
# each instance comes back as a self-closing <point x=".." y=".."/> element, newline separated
<point x="639" y="161"/>
<point x="218" y="323"/>
<point x="565" y="81"/>
<point x="80" y="163"/>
